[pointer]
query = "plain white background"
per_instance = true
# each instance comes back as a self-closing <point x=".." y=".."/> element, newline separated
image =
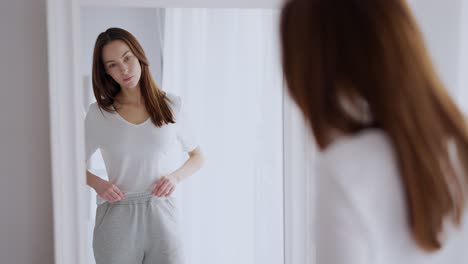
<point x="225" y="63"/>
<point x="26" y="226"/>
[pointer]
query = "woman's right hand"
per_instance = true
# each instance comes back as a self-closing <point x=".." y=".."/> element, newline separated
<point x="108" y="191"/>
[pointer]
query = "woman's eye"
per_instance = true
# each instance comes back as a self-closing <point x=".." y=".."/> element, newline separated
<point x="127" y="58"/>
<point x="111" y="65"/>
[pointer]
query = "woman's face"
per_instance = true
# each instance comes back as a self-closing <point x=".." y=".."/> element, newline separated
<point x="121" y="64"/>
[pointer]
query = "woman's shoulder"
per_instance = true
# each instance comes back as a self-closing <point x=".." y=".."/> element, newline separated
<point x="364" y="144"/>
<point x="175" y="101"/>
<point x="93" y="108"/>
<point x="94" y="113"/>
<point x="360" y="156"/>
<point x="365" y="165"/>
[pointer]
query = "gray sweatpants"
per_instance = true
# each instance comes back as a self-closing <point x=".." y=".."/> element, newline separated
<point x="141" y="228"/>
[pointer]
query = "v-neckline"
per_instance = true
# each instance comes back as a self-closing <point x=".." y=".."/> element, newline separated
<point x="128" y="122"/>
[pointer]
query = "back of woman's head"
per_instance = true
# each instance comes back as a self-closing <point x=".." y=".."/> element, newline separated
<point x="106" y="89"/>
<point x="368" y="56"/>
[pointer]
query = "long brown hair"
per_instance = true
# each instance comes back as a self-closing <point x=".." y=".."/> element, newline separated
<point x="371" y="54"/>
<point x="105" y="88"/>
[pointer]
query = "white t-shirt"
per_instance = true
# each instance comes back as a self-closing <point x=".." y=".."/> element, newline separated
<point x="361" y="214"/>
<point x="136" y="156"/>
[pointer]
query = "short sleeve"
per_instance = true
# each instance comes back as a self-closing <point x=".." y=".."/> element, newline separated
<point x="91" y="131"/>
<point x="184" y="131"/>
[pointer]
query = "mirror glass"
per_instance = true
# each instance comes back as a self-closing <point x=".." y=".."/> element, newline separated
<point x="225" y="65"/>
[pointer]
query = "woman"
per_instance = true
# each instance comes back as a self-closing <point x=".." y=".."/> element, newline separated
<point x="140" y="131"/>
<point x="394" y="147"/>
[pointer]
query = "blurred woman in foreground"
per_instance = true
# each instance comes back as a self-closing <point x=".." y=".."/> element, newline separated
<point x="393" y="166"/>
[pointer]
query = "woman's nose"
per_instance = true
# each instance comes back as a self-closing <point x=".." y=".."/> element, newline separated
<point x="124" y="68"/>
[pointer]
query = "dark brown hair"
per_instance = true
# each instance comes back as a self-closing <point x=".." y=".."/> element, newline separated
<point x="371" y="54"/>
<point x="105" y="88"/>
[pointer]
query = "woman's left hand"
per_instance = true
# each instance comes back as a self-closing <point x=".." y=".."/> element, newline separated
<point x="165" y="186"/>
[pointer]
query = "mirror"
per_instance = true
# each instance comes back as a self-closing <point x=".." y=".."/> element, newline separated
<point x="224" y="64"/>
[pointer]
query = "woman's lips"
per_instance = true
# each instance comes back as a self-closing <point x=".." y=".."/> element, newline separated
<point x="128" y="79"/>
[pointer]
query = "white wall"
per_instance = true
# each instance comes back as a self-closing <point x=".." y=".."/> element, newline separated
<point x="440" y="23"/>
<point x="26" y="228"/>
<point x="463" y="71"/>
<point x="222" y="62"/>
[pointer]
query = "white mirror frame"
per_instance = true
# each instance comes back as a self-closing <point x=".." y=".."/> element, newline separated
<point x="67" y="134"/>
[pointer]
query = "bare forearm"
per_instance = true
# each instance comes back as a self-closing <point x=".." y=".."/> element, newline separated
<point x="192" y="165"/>
<point x="166" y="184"/>
<point x="92" y="180"/>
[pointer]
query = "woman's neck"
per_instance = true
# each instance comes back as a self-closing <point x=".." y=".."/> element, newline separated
<point x="130" y="96"/>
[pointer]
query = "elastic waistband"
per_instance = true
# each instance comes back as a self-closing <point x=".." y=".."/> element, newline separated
<point x="137" y="198"/>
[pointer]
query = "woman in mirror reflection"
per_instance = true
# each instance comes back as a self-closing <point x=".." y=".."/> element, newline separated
<point x="142" y="135"/>
<point x="393" y="162"/>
